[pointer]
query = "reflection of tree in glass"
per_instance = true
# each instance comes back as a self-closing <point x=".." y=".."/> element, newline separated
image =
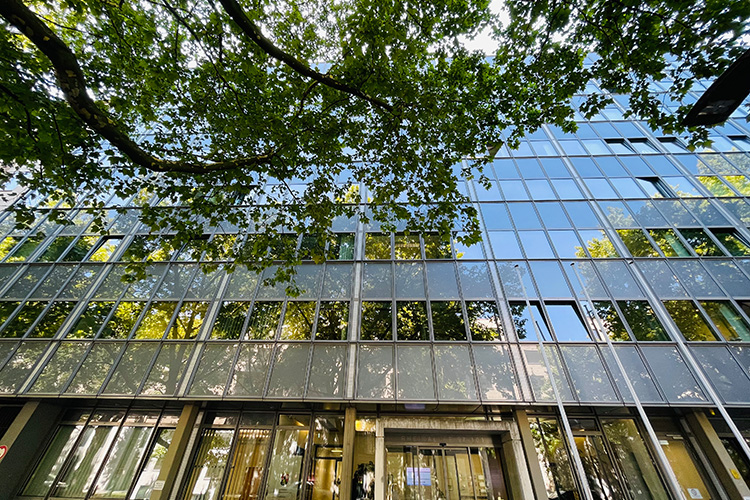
<point x="122" y="321"/>
<point x="25" y="249"/>
<point x="341" y="247"/>
<point x="448" y="320"/>
<point x="517" y="310"/>
<point x="436" y="246"/>
<point x="407" y="247"/>
<point x="333" y="321"/>
<point x="553" y="457"/>
<point x="701" y="243"/>
<point x="249" y="376"/>
<point x="689" y="320"/>
<point x="637" y="243"/>
<point x="599" y="248"/>
<point x="484" y="320"/>
<point x="230" y="319"/>
<point x="23" y="320"/>
<point x="155" y="321"/>
<point x="377" y="246"/>
<point x="376" y="321"/>
<point x="613" y="324"/>
<point x="642" y="320"/>
<point x="55" y="249"/>
<point x="726" y="318"/>
<point x="189" y="320"/>
<point x="298" y="320"/>
<point x="732" y="241"/>
<point x="210" y="462"/>
<point x="91" y="320"/>
<point x="411" y="321"/>
<point x="264" y="320"/>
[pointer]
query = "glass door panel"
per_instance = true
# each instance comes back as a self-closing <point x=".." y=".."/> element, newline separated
<point x="77" y="477"/>
<point x="246" y="471"/>
<point x="431" y="475"/>
<point x="403" y="475"/>
<point x="122" y="463"/>
<point x="53" y="460"/>
<point x="328" y="438"/>
<point x="152" y="468"/>
<point x="685" y="468"/>
<point x="460" y="482"/>
<point x="285" y="471"/>
<point x="641" y="477"/>
<point x="600" y="471"/>
<point x="209" y="465"/>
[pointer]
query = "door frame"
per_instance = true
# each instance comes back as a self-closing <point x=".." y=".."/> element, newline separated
<point x="518" y="481"/>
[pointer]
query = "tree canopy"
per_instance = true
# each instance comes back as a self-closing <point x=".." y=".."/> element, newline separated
<point x="267" y="115"/>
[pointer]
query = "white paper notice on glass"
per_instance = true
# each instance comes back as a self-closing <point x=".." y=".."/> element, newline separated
<point x="695" y="493"/>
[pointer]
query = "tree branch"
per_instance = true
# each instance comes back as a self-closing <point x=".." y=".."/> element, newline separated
<point x="254" y="33"/>
<point x="72" y="82"/>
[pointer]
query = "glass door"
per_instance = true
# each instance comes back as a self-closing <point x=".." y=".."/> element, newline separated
<point x="287" y="461"/>
<point x="443" y="473"/>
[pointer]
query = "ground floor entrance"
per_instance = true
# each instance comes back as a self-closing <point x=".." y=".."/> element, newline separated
<point x="444" y="473"/>
<point x="121" y="451"/>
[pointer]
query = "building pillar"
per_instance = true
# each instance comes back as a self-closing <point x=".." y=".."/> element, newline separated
<point x="717" y="454"/>
<point x="177" y="449"/>
<point x="529" y="453"/>
<point x="347" y="462"/>
<point x="380" y="479"/>
<point x="23" y="441"/>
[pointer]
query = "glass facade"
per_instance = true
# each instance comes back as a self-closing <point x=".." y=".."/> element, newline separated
<point x="614" y="245"/>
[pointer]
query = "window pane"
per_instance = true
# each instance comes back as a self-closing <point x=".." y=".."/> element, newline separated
<point x="455" y="376"/>
<point x="327" y="372"/>
<point x="122" y="321"/>
<point x="553" y="458"/>
<point x="407" y="247"/>
<point x="475" y="280"/>
<point x="250" y="371"/>
<point x="91" y="320"/>
<point x="298" y="321"/>
<point x="689" y="320"/>
<point x="377" y="281"/>
<point x="342" y="247"/>
<point x="442" y="280"/>
<point x="94" y="369"/>
<point x="410" y="281"/>
<point x="338" y="281"/>
<point x="636" y="372"/>
<point x="411" y="321"/>
<point x="725" y="374"/>
<point x="15" y="371"/>
<point x="333" y="321"/>
<point x="264" y="320"/>
<point x="448" y="320"/>
<point x="132" y="368"/>
<point x="230" y="320"/>
<point x="248" y="464"/>
<point x="52" y="320"/>
<point x="726" y="318"/>
<point x="701" y="243"/>
<point x="610" y="319"/>
<point x="155" y="321"/>
<point x="438" y="247"/>
<point x="587" y="371"/>
<point x="213" y="370"/>
<point x="289" y="368"/>
<point x="642" y="320"/>
<point x="122" y="464"/>
<point x="567" y="322"/>
<point x="377" y="246"/>
<point x="375" y="372"/>
<point x="672" y="374"/>
<point x="497" y="380"/>
<point x="637" y="243"/>
<point x="484" y="320"/>
<point x="733" y="241"/>
<point x="59" y="369"/>
<point x="376" y="321"/>
<point x="167" y="371"/>
<point x="242" y="284"/>
<point x="18" y="326"/>
<point x="526" y="328"/>
<point x="414" y="376"/>
<point x="189" y="320"/>
<point x="52" y="461"/>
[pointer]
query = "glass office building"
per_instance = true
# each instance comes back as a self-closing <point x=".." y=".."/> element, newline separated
<point x="594" y="345"/>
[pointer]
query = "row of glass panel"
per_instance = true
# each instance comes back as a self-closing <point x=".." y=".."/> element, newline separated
<point x="416" y="372"/>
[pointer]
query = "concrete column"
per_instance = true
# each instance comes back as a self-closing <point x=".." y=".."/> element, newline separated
<point x="380" y="484"/>
<point x="529" y="452"/>
<point x="717" y="454"/>
<point x="347" y="462"/>
<point x="24" y="440"/>
<point x="177" y="449"/>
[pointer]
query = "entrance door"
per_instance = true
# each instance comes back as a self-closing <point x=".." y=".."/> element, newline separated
<point x="444" y="473"/>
